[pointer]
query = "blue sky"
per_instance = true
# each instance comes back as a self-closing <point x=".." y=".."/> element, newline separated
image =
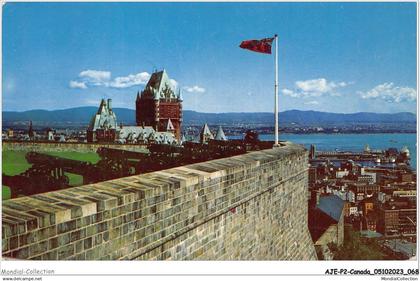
<point x="335" y="57"/>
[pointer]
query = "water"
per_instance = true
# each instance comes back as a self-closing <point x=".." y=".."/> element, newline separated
<point x="353" y="142"/>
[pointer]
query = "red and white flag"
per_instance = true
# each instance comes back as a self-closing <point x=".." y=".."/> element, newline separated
<point x="260" y="46"/>
<point x="264" y="46"/>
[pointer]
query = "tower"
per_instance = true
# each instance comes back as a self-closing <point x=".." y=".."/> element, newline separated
<point x="205" y="134"/>
<point x="312" y="152"/>
<point x="220" y="135"/>
<point x="103" y="125"/>
<point x="30" y="131"/>
<point x="159" y="106"/>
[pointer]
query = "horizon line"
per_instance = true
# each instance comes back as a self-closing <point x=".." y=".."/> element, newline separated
<point x="229" y="112"/>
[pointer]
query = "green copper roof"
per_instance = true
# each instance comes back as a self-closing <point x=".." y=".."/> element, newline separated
<point x="160" y="87"/>
<point x="206" y="131"/>
<point x="220" y="135"/>
<point x="104" y="118"/>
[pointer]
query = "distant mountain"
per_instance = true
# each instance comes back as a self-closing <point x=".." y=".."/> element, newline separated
<point x="298" y="117"/>
<point x="311" y="117"/>
<point x="82" y="115"/>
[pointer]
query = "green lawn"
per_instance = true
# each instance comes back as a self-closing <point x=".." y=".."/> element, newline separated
<point x="14" y="163"/>
<point x="91" y="157"/>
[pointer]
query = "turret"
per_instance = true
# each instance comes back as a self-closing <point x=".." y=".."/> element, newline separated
<point x="205" y="134"/>
<point x="183" y="139"/>
<point x="405" y="151"/>
<point x="220" y="135"/>
<point x="179" y="95"/>
<point x="312" y="151"/>
<point x="102" y="106"/>
<point x="30" y="130"/>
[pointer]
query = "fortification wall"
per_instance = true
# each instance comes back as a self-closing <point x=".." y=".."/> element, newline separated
<point x="247" y="207"/>
<point x="66" y="146"/>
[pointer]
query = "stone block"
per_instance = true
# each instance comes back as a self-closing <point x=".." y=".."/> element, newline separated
<point x="87" y="243"/>
<point x="66" y="226"/>
<point x="62" y="216"/>
<point x="38" y="248"/>
<point x="89" y="209"/>
<point x="65" y="251"/>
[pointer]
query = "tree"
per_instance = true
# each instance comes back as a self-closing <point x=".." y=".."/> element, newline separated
<point x="356" y="248"/>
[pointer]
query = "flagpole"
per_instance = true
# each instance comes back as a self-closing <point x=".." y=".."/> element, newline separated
<point x="276" y="96"/>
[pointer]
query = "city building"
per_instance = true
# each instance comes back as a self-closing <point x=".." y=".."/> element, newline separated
<point x="369" y="222"/>
<point x="380" y="196"/>
<point x="388" y="220"/>
<point x="205" y="134"/>
<point x="49" y="133"/>
<point x="135" y="134"/>
<point x="398" y="216"/>
<point x="367" y="206"/>
<point x="103" y="125"/>
<point x="159" y="106"/>
<point x="10" y="133"/>
<point x="31" y="132"/>
<point x="312" y="151"/>
<point x="364" y="187"/>
<point x="144" y="135"/>
<point x="404" y="193"/>
<point x="341" y="174"/>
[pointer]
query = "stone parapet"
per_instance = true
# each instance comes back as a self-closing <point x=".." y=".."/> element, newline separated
<point x="246" y="207"/>
<point x="45" y="146"/>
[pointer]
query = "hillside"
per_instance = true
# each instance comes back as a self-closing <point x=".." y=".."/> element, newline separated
<point x="82" y="115"/>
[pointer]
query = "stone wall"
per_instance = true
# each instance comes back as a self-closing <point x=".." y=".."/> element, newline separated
<point x="66" y="146"/>
<point x="247" y="207"/>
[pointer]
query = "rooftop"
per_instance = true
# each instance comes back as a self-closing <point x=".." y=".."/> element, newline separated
<point x="332" y="206"/>
<point x="160" y="86"/>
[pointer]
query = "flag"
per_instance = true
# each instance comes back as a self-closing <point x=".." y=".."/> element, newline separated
<point x="260" y="46"/>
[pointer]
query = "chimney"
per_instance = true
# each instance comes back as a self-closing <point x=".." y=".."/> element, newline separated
<point x="110" y="104"/>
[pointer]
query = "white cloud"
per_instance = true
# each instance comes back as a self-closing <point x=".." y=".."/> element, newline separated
<point x="77" y="85"/>
<point x="288" y="92"/>
<point x="315" y="88"/>
<point x="194" y="89"/>
<point x="100" y="78"/>
<point x="95" y="76"/>
<point x="174" y="83"/>
<point x="312" y="102"/>
<point x="390" y="93"/>
<point x="130" y="80"/>
<point x="315" y="85"/>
